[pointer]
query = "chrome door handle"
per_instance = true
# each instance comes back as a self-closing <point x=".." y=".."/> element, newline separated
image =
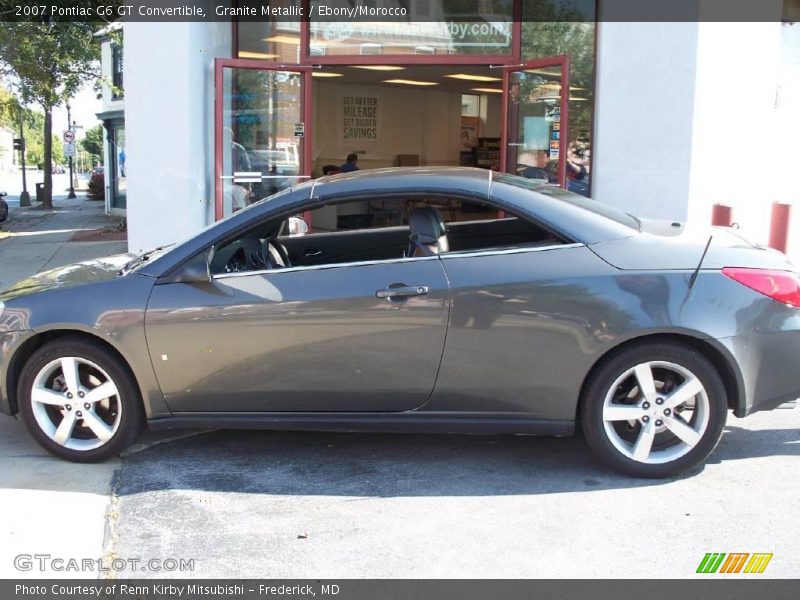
<point x="311" y="253"/>
<point x="402" y="292"/>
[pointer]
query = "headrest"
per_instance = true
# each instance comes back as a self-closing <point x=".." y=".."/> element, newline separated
<point x="426" y="225"/>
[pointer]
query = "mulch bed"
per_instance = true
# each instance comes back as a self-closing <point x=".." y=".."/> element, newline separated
<point x="106" y="234"/>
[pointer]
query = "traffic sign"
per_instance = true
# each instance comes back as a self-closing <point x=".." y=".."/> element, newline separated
<point x="69" y="136"/>
<point x="69" y="149"/>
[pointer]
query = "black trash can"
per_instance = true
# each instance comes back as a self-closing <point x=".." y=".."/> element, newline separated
<point x="39" y="192"/>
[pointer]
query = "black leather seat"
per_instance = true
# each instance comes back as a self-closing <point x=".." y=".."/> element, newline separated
<point x="428" y="235"/>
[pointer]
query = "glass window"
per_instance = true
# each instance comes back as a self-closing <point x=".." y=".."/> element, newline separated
<point x="378" y="229"/>
<point x="575" y="37"/>
<point x="470" y="105"/>
<point x="432" y="27"/>
<point x="274" y="40"/>
<point x="118" y="91"/>
<point x="374" y="230"/>
<point x="119" y="179"/>
<point x="261" y="151"/>
<point x="533" y="147"/>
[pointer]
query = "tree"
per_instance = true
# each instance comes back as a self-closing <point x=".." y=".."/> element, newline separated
<point x="10" y="108"/>
<point x="49" y="62"/>
<point x="93" y="143"/>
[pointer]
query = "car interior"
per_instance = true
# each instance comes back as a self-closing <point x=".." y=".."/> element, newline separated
<point x="362" y="230"/>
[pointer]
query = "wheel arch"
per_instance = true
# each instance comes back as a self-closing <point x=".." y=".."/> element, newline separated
<point x="26" y="350"/>
<point x="716" y="354"/>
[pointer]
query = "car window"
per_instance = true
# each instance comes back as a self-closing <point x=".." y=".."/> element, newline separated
<point x="377" y="229"/>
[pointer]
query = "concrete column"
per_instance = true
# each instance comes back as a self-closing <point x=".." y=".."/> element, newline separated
<point x="169" y="119"/>
<point x="735" y="134"/>
<point x="644" y="117"/>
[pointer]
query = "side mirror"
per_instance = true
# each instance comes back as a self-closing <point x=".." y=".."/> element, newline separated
<point x="297" y="226"/>
<point x="197" y="270"/>
<point x="2" y="194"/>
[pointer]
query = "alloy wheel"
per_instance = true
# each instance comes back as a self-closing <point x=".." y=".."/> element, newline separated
<point x="656" y="412"/>
<point x="76" y="403"/>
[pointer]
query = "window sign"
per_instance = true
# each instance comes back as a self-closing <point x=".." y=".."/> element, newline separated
<point x="359" y="118"/>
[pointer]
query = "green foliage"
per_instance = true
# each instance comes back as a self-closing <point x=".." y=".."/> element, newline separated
<point x="93" y="143"/>
<point x="48" y="62"/>
<point x="34" y="130"/>
<point x="9" y="110"/>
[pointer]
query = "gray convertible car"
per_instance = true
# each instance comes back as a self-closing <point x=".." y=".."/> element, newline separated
<point x="423" y="299"/>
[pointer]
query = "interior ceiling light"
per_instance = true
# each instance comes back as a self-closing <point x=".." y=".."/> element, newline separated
<point x="256" y="55"/>
<point x="409" y="82"/>
<point x="469" y="77"/>
<point x="379" y="67"/>
<point x="488" y="90"/>
<point x="325" y="74"/>
<point x="283" y="39"/>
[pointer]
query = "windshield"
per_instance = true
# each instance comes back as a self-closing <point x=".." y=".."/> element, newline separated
<point x="577" y="200"/>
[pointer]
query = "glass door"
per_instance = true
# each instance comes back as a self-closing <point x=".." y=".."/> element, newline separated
<point x="536" y="95"/>
<point x="261" y="131"/>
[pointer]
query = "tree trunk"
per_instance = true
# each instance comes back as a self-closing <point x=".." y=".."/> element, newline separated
<point x="47" y="196"/>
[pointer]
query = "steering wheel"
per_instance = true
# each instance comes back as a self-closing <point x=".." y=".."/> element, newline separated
<point x="249" y="256"/>
<point x="280" y="250"/>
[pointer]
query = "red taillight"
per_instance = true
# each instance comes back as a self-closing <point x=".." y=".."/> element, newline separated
<point x="781" y="286"/>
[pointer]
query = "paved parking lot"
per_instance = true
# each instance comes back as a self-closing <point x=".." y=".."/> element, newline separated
<point x="270" y="504"/>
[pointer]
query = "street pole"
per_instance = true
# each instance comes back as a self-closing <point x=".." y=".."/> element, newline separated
<point x="24" y="197"/>
<point x="76" y="157"/>
<point x="71" y="194"/>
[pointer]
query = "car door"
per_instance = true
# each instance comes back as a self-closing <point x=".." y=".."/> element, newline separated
<point x="364" y="337"/>
<point x="527" y="312"/>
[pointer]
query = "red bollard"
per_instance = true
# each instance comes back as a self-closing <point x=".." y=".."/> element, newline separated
<point x="779" y="226"/>
<point x="722" y="215"/>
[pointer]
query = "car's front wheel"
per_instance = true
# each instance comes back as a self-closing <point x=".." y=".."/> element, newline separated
<point x="654" y="410"/>
<point x="78" y="401"/>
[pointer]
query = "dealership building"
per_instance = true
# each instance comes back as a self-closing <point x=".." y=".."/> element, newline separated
<point x="661" y="119"/>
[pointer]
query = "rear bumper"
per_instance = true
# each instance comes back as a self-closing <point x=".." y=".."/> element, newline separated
<point x="9" y="343"/>
<point x="770" y="367"/>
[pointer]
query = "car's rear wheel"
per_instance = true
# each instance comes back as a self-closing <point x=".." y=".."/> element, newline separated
<point x="78" y="402"/>
<point x="654" y="410"/>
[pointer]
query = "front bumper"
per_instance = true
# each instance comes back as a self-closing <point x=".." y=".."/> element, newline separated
<point x="10" y="342"/>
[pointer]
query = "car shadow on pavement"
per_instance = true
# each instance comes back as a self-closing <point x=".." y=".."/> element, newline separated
<point x="742" y="443"/>
<point x="365" y="465"/>
<point x="371" y="465"/>
<point x="398" y="465"/>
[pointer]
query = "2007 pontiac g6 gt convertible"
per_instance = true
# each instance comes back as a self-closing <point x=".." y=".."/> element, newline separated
<point x="423" y="299"/>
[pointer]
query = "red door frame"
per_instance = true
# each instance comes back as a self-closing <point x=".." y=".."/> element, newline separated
<point x="220" y="64"/>
<point x="508" y="62"/>
<point x="563" y="135"/>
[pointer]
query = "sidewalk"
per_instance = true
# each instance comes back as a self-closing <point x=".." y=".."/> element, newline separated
<point x="33" y="239"/>
<point x="32" y="481"/>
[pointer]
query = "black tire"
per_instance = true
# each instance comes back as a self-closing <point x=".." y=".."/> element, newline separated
<point x="615" y="366"/>
<point x="131" y="416"/>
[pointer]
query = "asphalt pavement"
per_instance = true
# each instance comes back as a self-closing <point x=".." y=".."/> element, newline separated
<point x="273" y="504"/>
